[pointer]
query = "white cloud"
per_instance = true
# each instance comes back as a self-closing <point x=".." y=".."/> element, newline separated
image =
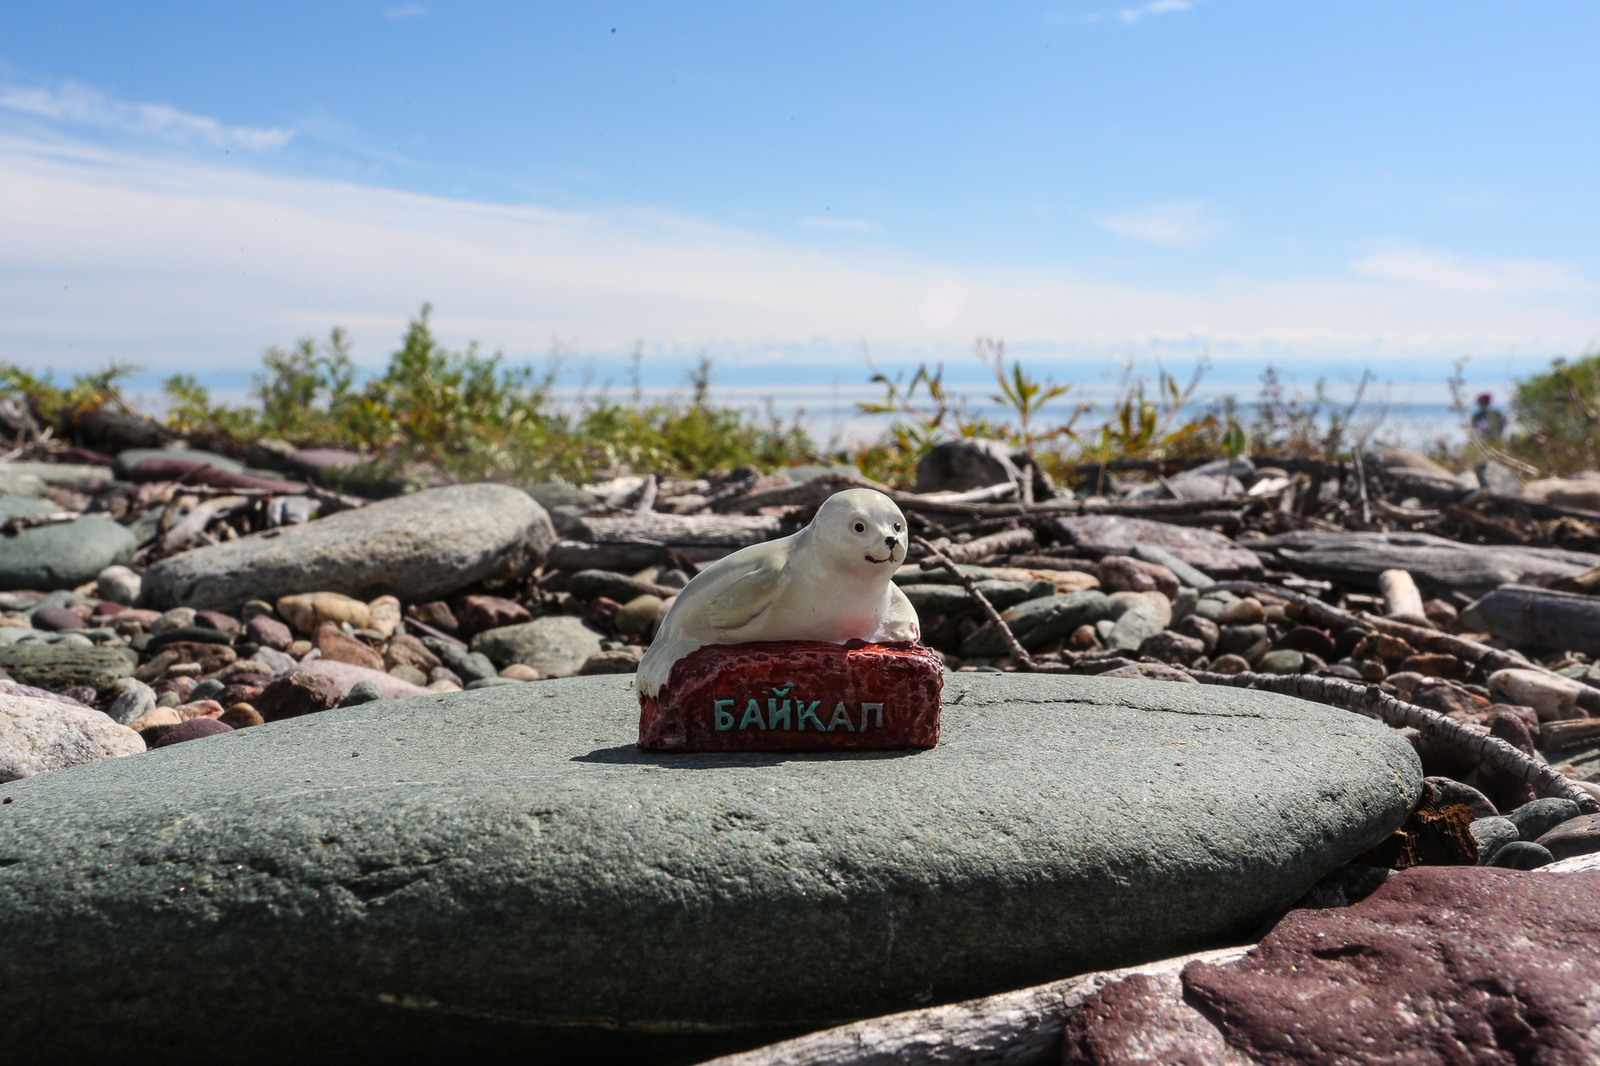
<point x="1177" y="222"/>
<point x="177" y="264"/>
<point x="1449" y="273"/>
<point x="1131" y="15"/>
<point x="859" y="225"/>
<point x="405" y="11"/>
<point x="80" y="104"/>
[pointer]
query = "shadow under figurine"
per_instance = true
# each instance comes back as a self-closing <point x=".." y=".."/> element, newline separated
<point x="801" y="643"/>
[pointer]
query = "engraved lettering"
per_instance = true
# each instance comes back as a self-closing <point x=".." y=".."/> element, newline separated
<point x="841" y="717"/>
<point x="811" y="713"/>
<point x="752" y="713"/>
<point x="724" y="718"/>
<point x="776" y="714"/>
<point x="878" y="720"/>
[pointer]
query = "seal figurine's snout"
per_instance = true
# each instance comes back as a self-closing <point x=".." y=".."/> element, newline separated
<point x="891" y="542"/>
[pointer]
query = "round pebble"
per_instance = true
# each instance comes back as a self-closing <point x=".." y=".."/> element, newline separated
<point x="193" y="729"/>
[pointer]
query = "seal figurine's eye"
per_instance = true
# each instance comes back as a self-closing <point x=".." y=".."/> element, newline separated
<point x="860" y="527"/>
<point x="897" y="527"/>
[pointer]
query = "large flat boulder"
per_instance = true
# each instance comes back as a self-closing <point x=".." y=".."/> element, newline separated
<point x="38" y="735"/>
<point x="61" y="555"/>
<point x="492" y="869"/>
<point x="421" y="546"/>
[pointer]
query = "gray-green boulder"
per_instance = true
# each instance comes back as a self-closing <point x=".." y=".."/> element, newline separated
<point x="421" y="547"/>
<point x="61" y="555"/>
<point x="1039" y="621"/>
<point x="556" y="645"/>
<point x="492" y="869"/>
<point x="61" y="664"/>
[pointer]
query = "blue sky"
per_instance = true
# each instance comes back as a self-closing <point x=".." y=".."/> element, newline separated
<point x="1327" y="187"/>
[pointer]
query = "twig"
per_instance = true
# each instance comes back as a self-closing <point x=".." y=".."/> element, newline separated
<point x="1009" y="540"/>
<point x="934" y="558"/>
<point x="1370" y="699"/>
<point x="18" y="522"/>
<point x="727" y="492"/>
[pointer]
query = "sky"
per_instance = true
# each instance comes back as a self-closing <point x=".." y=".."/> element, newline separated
<point x="791" y="189"/>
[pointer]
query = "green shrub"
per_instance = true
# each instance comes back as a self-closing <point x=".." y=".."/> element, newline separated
<point x="1558" y="417"/>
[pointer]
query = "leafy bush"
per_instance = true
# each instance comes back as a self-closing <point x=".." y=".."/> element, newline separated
<point x="1558" y="417"/>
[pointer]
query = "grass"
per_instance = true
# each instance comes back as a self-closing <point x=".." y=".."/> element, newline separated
<point x="472" y="416"/>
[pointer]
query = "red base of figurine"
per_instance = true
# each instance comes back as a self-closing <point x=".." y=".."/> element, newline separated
<point x="796" y="695"/>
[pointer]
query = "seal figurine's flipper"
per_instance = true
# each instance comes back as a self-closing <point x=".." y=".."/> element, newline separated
<point x="744" y="599"/>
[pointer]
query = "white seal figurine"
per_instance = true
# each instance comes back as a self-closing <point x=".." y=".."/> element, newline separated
<point x="829" y="582"/>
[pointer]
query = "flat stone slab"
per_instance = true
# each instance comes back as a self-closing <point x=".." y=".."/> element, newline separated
<point x="504" y="864"/>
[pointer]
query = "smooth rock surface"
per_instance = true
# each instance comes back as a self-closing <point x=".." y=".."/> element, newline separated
<point x="59" y="556"/>
<point x="427" y="544"/>
<point x="478" y="866"/>
<point x="556" y="646"/>
<point x="61" y="666"/>
<point x="41" y="735"/>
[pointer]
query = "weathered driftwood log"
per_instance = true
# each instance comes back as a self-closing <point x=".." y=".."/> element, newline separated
<point x="1544" y="618"/>
<point x="705" y="531"/>
<point x="1009" y="540"/>
<point x="1438" y="565"/>
<point x="1402" y="600"/>
<point x="625" y="558"/>
<point x="1021" y="1028"/>
<point x="1370" y="699"/>
<point x="1209" y="552"/>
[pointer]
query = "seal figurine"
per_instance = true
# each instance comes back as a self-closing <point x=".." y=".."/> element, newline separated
<point x="829" y="582"/>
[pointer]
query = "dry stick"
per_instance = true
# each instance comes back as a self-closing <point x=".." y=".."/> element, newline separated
<point x="1009" y="540"/>
<point x="933" y="558"/>
<point x="1370" y="699"/>
<point x="18" y="522"/>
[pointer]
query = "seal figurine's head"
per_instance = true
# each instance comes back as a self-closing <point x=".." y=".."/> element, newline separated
<point x="860" y="531"/>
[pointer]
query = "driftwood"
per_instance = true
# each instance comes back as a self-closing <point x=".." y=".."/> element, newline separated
<point x="1543" y="618"/>
<point x="1401" y="598"/>
<point x="1437" y="564"/>
<point x="18" y="522"/>
<point x="679" y="531"/>
<point x="1010" y="540"/>
<point x="577" y="555"/>
<point x="1370" y="699"/>
<point x="1021" y="1028"/>
<point x="934" y="558"/>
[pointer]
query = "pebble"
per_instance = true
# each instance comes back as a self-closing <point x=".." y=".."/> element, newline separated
<point x="1229" y="664"/>
<point x="409" y="674"/>
<point x="268" y="632"/>
<point x="241" y="716"/>
<point x="1284" y="661"/>
<point x="297" y="694"/>
<point x="635" y="617"/>
<point x="491" y="682"/>
<point x="435" y="614"/>
<point x="1576" y="836"/>
<point x="307" y="610"/>
<point x="1435" y="665"/>
<point x="1308" y="638"/>
<point x="556" y="645"/>
<point x="119" y="585"/>
<point x="1137" y="616"/>
<point x="520" y="672"/>
<point x="609" y="662"/>
<point x="1172" y="647"/>
<point x="474" y="614"/>
<point x="276" y="662"/>
<point x="445" y="675"/>
<point x="1533" y="820"/>
<point x="193" y="729"/>
<point x="1451" y="792"/>
<point x="335" y="645"/>
<point x="1522" y="855"/>
<point x="1202" y="629"/>
<point x="1238" y="639"/>
<point x="443" y="685"/>
<point x="176" y="618"/>
<point x="383" y="616"/>
<point x="39" y="735"/>
<point x="346" y="676"/>
<point x="158" y="717"/>
<point x="135" y="701"/>
<point x="56" y="618"/>
<point x="1245" y="612"/>
<point x="361" y="692"/>
<point x="1491" y="834"/>
<point x="1122" y="573"/>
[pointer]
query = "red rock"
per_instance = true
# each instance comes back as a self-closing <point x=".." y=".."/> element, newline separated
<point x="105" y="609"/>
<point x="211" y="657"/>
<point x="181" y="685"/>
<point x="602" y="612"/>
<point x="1439" y="612"/>
<point x="1306" y="638"/>
<point x="1504" y="791"/>
<point x="56" y="618"/>
<point x="1123" y="573"/>
<point x="1439" y="965"/>
<point x="222" y="623"/>
<point x="295" y="694"/>
<point x="826" y="697"/>
<point x="192" y="729"/>
<point x="268" y="632"/>
<point x="1576" y="836"/>
<point x="199" y="709"/>
<point x="1434" y="665"/>
<point x="1439" y="695"/>
<point x="335" y="645"/>
<point x="474" y="614"/>
<point x="406" y="650"/>
<point x="436" y="614"/>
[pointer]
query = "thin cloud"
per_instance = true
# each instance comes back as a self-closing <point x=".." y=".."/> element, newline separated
<point x="1132" y="15"/>
<point x="1174" y="222"/>
<point x="405" y="11"/>
<point x="1449" y="273"/>
<point x="859" y="225"/>
<point x="76" y="103"/>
